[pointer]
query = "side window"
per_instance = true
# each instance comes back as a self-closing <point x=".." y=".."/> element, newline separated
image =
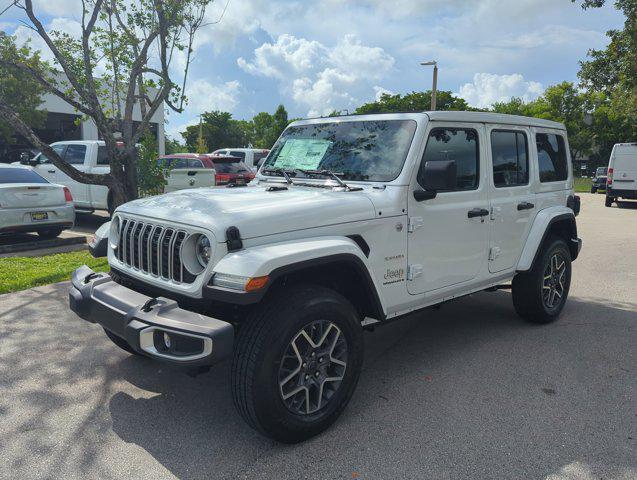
<point x="59" y="149"/>
<point x="179" y="163"/>
<point x="551" y="155"/>
<point x="102" y="155"/>
<point x="194" y="163"/>
<point x="75" y="154"/>
<point x="459" y="145"/>
<point x="509" y="153"/>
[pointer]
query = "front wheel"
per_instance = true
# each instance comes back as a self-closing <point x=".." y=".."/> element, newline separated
<point x="609" y="201"/>
<point x="540" y="294"/>
<point x="297" y="362"/>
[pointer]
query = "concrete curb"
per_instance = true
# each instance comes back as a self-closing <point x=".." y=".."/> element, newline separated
<point x="40" y="244"/>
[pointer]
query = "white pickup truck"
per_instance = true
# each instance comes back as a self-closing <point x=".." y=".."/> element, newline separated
<point x="91" y="156"/>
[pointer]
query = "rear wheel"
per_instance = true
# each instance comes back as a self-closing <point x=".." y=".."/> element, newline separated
<point x="297" y="362"/>
<point x="120" y="342"/>
<point x="50" y="232"/>
<point x="593" y="189"/>
<point x="609" y="201"/>
<point x="540" y="294"/>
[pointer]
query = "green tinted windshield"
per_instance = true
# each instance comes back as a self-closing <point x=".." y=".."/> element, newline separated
<point x="368" y="150"/>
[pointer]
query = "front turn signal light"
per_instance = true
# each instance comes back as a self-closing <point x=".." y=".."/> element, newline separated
<point x="256" y="283"/>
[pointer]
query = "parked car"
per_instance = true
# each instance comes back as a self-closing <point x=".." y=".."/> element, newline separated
<point x="252" y="157"/>
<point x="351" y="222"/>
<point x="622" y="173"/>
<point x="228" y="170"/>
<point x="89" y="156"/>
<point x="599" y="180"/>
<point x="29" y="203"/>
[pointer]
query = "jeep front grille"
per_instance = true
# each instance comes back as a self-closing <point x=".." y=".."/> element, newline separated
<point x="153" y="249"/>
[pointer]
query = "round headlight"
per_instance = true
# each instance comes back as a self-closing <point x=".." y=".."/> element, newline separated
<point x="203" y="250"/>
<point x="114" y="233"/>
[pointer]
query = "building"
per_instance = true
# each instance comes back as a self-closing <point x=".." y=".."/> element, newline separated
<point x="64" y="123"/>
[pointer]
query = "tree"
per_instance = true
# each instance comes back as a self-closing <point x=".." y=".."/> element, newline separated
<point x="413" y="102"/>
<point x="19" y="90"/>
<point x="134" y="43"/>
<point x="219" y="131"/>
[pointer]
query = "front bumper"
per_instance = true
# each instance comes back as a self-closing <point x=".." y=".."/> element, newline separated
<point x="146" y="322"/>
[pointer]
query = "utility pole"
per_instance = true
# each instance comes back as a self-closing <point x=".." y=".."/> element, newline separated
<point x="434" y="87"/>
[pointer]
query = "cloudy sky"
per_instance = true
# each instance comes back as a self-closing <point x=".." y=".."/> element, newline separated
<point x="323" y="55"/>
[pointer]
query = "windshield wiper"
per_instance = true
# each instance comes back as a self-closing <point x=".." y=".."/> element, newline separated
<point x="329" y="173"/>
<point x="280" y="171"/>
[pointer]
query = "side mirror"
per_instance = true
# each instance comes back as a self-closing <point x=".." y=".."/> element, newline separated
<point x="32" y="161"/>
<point x="24" y="158"/>
<point x="435" y="177"/>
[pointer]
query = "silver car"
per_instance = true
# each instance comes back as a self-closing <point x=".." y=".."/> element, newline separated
<point x="29" y="203"/>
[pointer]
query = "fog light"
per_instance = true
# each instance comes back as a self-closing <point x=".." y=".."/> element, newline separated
<point x="167" y="340"/>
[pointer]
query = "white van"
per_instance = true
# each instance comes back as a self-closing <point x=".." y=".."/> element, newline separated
<point x="622" y="173"/>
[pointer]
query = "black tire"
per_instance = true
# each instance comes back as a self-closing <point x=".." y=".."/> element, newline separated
<point x="109" y="204"/>
<point x="259" y="363"/>
<point x="50" y="232"/>
<point x="609" y="201"/>
<point x="120" y="342"/>
<point x="593" y="189"/>
<point x="529" y="288"/>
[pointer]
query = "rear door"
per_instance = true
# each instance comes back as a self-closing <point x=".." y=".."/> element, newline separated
<point x="512" y="199"/>
<point x="625" y="168"/>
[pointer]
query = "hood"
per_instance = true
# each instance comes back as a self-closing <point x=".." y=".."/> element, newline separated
<point x="254" y="210"/>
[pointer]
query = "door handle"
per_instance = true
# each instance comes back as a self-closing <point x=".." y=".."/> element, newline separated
<point x="51" y="171"/>
<point x="478" y="212"/>
<point x="525" y="206"/>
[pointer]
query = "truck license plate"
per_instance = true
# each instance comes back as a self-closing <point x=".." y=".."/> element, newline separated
<point x="39" y="216"/>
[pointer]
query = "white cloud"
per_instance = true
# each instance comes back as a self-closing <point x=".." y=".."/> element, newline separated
<point x="204" y="96"/>
<point x="320" y="78"/>
<point x="488" y="88"/>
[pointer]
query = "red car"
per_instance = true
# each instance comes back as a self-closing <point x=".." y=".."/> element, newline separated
<point x="229" y="170"/>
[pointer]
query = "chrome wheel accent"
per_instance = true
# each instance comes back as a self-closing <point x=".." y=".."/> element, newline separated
<point x="553" y="282"/>
<point x="312" y="367"/>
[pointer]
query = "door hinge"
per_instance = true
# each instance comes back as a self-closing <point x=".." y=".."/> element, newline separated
<point x="414" y="271"/>
<point x="494" y="252"/>
<point x="414" y="224"/>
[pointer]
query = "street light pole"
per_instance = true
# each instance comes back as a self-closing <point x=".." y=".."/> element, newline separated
<point x="434" y="88"/>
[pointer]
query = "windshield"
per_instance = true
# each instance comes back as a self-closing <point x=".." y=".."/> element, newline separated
<point x="601" y="171"/>
<point x="368" y="150"/>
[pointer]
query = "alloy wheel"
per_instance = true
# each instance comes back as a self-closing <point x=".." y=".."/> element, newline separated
<point x="554" y="279"/>
<point x="312" y="367"/>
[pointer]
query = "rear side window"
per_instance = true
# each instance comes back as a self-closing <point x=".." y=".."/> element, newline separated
<point x="509" y="152"/>
<point x="258" y="156"/>
<point x="459" y="145"/>
<point x="75" y="154"/>
<point x="551" y="155"/>
<point x="20" y="175"/>
<point x="194" y="163"/>
<point x="231" y="167"/>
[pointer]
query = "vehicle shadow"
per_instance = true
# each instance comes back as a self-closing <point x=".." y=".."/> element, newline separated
<point x="443" y="391"/>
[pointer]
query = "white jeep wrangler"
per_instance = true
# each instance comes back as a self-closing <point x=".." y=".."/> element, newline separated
<point x="351" y="221"/>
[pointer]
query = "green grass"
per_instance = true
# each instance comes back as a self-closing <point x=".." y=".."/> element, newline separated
<point x="19" y="273"/>
<point x="582" y="184"/>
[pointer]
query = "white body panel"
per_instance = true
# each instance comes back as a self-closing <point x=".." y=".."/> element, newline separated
<point x="623" y="161"/>
<point x="450" y="250"/>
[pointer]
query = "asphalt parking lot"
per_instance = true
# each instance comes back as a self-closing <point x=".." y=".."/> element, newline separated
<point x="469" y="391"/>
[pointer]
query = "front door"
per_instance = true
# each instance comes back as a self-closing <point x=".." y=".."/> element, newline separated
<point x="448" y="234"/>
<point x="75" y="155"/>
<point x="512" y="200"/>
<point x="45" y="168"/>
